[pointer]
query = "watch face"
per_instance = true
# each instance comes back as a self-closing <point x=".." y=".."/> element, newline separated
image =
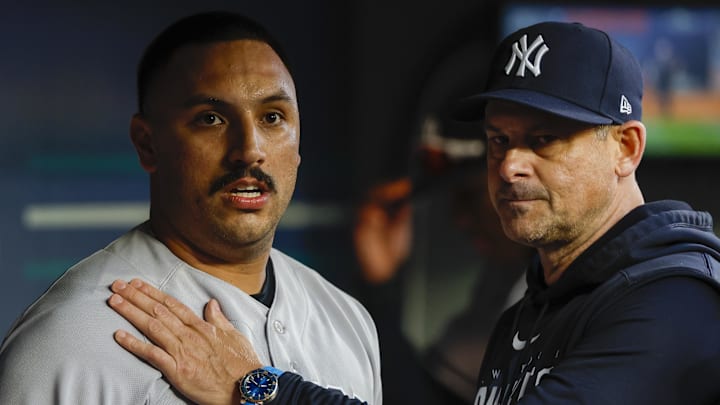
<point x="258" y="386"/>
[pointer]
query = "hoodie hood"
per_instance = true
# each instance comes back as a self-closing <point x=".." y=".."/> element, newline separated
<point x="639" y="236"/>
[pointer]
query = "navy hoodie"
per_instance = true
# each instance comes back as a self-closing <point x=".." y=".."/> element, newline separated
<point x="635" y="319"/>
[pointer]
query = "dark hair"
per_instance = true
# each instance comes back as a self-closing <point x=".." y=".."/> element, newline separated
<point x="199" y="28"/>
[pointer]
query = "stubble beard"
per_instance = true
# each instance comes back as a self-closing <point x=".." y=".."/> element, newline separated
<point x="244" y="229"/>
<point x="537" y="229"/>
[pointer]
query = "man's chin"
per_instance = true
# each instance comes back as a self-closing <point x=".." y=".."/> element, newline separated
<point x="523" y="232"/>
<point x="243" y="231"/>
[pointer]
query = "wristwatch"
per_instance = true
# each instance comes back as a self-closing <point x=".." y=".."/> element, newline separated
<point x="259" y="386"/>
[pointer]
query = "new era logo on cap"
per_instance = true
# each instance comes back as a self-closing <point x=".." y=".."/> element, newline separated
<point x="565" y="69"/>
<point x="625" y="106"/>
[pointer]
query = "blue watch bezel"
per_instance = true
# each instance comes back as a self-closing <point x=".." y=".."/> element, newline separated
<point x="259" y="386"/>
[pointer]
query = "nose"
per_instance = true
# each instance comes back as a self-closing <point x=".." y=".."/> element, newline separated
<point x="515" y="165"/>
<point x="247" y="145"/>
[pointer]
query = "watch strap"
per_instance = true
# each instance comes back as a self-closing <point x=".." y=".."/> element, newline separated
<point x="273" y="370"/>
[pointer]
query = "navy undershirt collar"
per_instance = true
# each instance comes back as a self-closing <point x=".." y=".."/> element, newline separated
<point x="267" y="293"/>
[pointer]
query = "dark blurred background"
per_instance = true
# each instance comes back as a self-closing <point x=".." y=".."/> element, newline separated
<point x="368" y="74"/>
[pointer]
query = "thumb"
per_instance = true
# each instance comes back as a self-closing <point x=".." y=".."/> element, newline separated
<point x="215" y="316"/>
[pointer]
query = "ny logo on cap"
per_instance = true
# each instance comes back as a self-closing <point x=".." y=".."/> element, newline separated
<point x="521" y="52"/>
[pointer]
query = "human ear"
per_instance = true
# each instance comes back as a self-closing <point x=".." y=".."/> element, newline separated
<point x="631" y="141"/>
<point x="141" y="136"/>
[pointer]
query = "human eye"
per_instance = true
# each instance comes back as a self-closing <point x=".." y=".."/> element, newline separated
<point x="540" y="141"/>
<point x="497" y="144"/>
<point x="497" y="141"/>
<point x="272" y="118"/>
<point x="208" y="119"/>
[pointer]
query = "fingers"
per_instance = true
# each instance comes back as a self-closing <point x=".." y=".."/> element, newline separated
<point x="141" y="301"/>
<point x="215" y="316"/>
<point x="156" y="330"/>
<point x="157" y="357"/>
<point x="163" y="319"/>
<point x="182" y="312"/>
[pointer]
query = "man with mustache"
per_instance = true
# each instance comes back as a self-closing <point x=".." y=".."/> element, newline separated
<point x="623" y="303"/>
<point x="218" y="132"/>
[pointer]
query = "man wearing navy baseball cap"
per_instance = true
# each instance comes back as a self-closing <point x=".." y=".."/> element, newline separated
<point x="623" y="299"/>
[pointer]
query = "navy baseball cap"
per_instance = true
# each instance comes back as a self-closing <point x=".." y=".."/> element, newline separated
<point x="566" y="69"/>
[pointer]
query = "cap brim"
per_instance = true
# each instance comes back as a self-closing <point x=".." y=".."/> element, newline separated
<point x="473" y="107"/>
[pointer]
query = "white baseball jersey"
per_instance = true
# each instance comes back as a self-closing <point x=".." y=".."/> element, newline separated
<point x="62" y="351"/>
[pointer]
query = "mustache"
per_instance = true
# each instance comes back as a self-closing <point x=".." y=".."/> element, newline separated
<point x="521" y="191"/>
<point x="234" y="175"/>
